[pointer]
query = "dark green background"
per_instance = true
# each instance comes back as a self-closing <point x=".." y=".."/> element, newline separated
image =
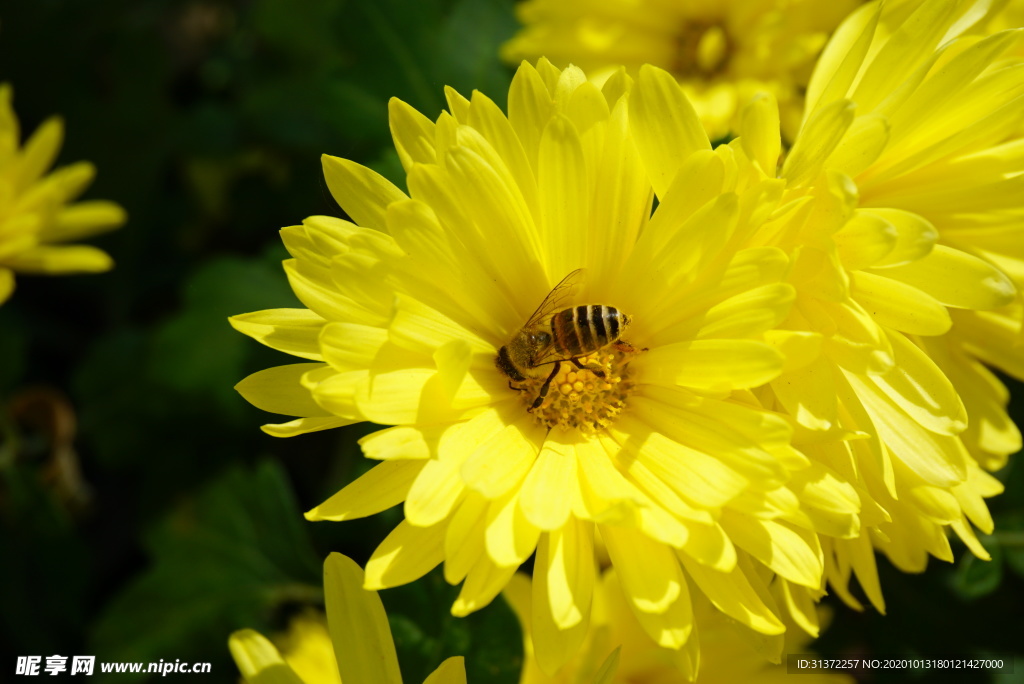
<point x="206" y="121"/>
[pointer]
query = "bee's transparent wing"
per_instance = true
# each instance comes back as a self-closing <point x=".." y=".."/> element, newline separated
<point x="556" y="298"/>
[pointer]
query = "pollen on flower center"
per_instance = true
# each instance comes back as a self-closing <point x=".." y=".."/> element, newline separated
<point x="580" y="399"/>
<point x="702" y="50"/>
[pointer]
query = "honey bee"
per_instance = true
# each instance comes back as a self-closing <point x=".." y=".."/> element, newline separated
<point x="554" y="335"/>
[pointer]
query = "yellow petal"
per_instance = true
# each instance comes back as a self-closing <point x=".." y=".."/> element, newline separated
<point x="403" y="442"/>
<point x="760" y="133"/>
<point x="919" y="386"/>
<point x="700" y="179"/>
<point x="606" y="673"/>
<point x="696" y="476"/>
<point x="484" y="581"/>
<point x="709" y="545"/>
<point x="552" y="646"/>
<point x="938" y="459"/>
<point x="529" y="108"/>
<point x="457" y="104"/>
<point x="6" y="284"/>
<point x="910" y="45"/>
<point x="607" y="496"/>
<point x="798" y="347"/>
<point x="957" y="279"/>
<point x="570" y="573"/>
<point x="500" y="462"/>
<point x="748" y="314"/>
<point x="463" y="541"/>
<point x="258" y="660"/>
<point x="863" y="143"/>
<point x="40" y="150"/>
<point x="563" y="193"/>
<point x="544" y="497"/>
<point x="710" y="364"/>
<point x="789" y="551"/>
<point x="738" y="436"/>
<point x="383" y="486"/>
<point x="665" y="125"/>
<point x="492" y="202"/>
<point x="316" y="290"/>
<point x="509" y="537"/>
<point x="828" y="499"/>
<point x="71" y="259"/>
<point x="653" y="584"/>
<point x="801" y="606"/>
<point x="293" y="331"/>
<point x="436" y="491"/>
<point x="413" y="134"/>
<point x="842" y="58"/>
<point x="405" y="555"/>
<point x="416" y="395"/>
<point x="362" y="193"/>
<point x="862" y="558"/>
<point x="864" y="240"/>
<point x="808" y="394"/>
<point x="443" y="272"/>
<point x="898" y="305"/>
<point x="649" y="571"/>
<point x="279" y="390"/>
<point x="451" y="671"/>
<point x="302" y="426"/>
<point x="487" y="118"/>
<point x="732" y="594"/>
<point x="358" y="624"/>
<point x="822" y="132"/>
<point x="84" y="219"/>
<point x="621" y="204"/>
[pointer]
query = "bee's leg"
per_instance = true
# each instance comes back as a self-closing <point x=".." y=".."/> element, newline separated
<point x="593" y="367"/>
<point x="545" y="387"/>
<point x="627" y="348"/>
<point x="517" y="389"/>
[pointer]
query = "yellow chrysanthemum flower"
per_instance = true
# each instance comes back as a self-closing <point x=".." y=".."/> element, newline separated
<point x="896" y="100"/>
<point x="308" y="650"/>
<point x="663" y="454"/>
<point x="729" y="653"/>
<point x="359" y="635"/>
<point x="35" y="214"/>
<point x="722" y="51"/>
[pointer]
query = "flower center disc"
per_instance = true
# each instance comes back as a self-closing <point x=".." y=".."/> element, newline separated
<point x="702" y="50"/>
<point x="578" y="398"/>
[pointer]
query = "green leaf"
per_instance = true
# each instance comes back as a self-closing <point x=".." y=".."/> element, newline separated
<point x="975" y="578"/>
<point x="13" y="347"/>
<point x="221" y="561"/>
<point x="426" y="633"/>
<point x="468" y="51"/>
<point x="196" y="351"/>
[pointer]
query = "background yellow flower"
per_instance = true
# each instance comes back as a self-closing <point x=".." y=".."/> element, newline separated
<point x="37" y="213"/>
<point x="728" y="652"/>
<point x="358" y="630"/>
<point x="723" y="53"/>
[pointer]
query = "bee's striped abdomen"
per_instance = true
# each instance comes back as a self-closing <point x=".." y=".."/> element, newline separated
<point x="581" y="330"/>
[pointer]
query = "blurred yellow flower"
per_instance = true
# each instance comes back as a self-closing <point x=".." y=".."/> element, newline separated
<point x="664" y="456"/>
<point x="307" y="648"/>
<point x="722" y="51"/>
<point x="363" y="650"/>
<point x="729" y="653"/>
<point x="36" y="213"/>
